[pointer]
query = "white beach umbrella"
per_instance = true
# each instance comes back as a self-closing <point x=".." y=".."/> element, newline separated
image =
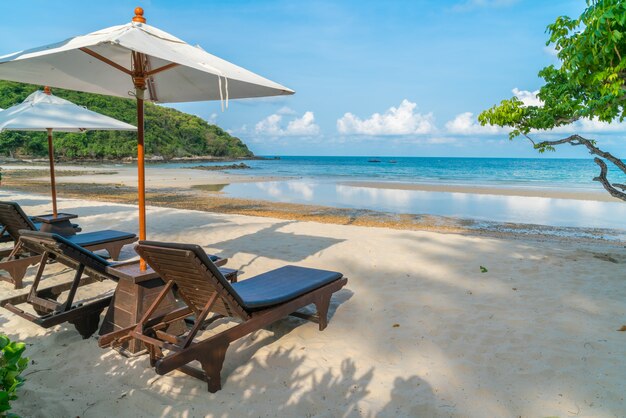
<point x="138" y="60"/>
<point x="42" y="111"/>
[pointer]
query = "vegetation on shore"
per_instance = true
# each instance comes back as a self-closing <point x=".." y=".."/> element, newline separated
<point x="169" y="132"/>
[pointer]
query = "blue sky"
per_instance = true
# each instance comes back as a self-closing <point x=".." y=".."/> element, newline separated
<point x="371" y="77"/>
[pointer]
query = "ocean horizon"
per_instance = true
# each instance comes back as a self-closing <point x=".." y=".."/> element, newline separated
<point x="567" y="173"/>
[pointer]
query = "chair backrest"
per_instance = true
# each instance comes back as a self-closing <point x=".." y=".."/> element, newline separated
<point x="66" y="252"/>
<point x="14" y="219"/>
<point x="194" y="274"/>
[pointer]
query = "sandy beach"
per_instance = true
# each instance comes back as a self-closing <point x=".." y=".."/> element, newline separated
<point x="418" y="331"/>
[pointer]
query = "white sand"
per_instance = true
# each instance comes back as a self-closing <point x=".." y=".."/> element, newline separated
<point x="534" y="337"/>
<point x="157" y="177"/>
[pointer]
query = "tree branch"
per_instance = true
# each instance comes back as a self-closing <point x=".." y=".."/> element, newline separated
<point x="575" y="140"/>
<point x="605" y="182"/>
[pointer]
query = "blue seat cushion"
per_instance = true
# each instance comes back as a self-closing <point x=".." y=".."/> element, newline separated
<point x="99" y="237"/>
<point x="90" y="259"/>
<point x="281" y="285"/>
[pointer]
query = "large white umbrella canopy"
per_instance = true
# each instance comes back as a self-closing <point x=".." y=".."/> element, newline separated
<point x="103" y="62"/>
<point x="42" y="111"/>
<point x="142" y="61"/>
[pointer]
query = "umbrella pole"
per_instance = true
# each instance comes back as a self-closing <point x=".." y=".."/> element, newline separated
<point x="141" y="175"/>
<point x="52" y="180"/>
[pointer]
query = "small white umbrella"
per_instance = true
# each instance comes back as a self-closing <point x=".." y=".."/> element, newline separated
<point x="138" y="60"/>
<point x="42" y="111"/>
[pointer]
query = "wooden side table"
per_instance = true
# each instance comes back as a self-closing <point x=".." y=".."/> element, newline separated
<point x="134" y="294"/>
<point x="60" y="225"/>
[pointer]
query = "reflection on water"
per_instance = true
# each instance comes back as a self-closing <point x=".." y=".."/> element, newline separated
<point x="516" y="209"/>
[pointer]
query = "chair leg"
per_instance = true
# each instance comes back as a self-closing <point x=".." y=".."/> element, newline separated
<point x="88" y="324"/>
<point x="212" y="362"/>
<point x="155" y="354"/>
<point x="17" y="269"/>
<point x="114" y="251"/>
<point x="321" y="304"/>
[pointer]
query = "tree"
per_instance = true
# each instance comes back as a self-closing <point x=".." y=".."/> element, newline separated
<point x="169" y="132"/>
<point x="589" y="84"/>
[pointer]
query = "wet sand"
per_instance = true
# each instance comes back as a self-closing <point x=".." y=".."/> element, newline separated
<point x="203" y="193"/>
<point x="600" y="195"/>
<point x="186" y="178"/>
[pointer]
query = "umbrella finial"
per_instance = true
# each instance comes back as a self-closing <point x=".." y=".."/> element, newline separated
<point x="46" y="90"/>
<point x="139" y="15"/>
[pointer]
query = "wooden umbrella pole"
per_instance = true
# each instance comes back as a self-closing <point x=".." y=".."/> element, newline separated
<point x="139" y="80"/>
<point x="141" y="174"/>
<point x="52" y="180"/>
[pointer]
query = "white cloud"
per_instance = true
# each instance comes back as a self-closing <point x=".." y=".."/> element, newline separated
<point x="551" y="50"/>
<point x="529" y="98"/>
<point x="469" y="5"/>
<point x="587" y="126"/>
<point x="467" y="124"/>
<point x="401" y="120"/>
<point x="302" y="126"/>
<point x="286" y="111"/>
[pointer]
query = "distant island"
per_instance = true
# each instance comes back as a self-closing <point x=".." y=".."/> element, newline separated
<point x="169" y="133"/>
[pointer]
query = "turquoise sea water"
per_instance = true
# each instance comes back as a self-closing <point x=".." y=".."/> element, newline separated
<point x="322" y="181"/>
<point x="520" y="172"/>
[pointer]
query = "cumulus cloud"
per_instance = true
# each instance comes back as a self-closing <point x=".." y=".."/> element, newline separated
<point x="466" y="124"/>
<point x="529" y="98"/>
<point x="401" y="120"/>
<point x="551" y="50"/>
<point x="273" y="125"/>
<point x="285" y="110"/>
<point x="587" y="126"/>
<point x="590" y="126"/>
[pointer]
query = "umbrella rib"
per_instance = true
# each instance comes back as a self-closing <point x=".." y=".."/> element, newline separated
<point x="163" y="68"/>
<point x="106" y="60"/>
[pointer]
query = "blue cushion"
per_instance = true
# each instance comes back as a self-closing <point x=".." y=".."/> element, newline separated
<point x="281" y="285"/>
<point x="99" y="237"/>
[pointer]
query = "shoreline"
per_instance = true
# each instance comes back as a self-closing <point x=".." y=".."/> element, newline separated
<point x="188" y="177"/>
<point x="208" y="198"/>
<point x="505" y="190"/>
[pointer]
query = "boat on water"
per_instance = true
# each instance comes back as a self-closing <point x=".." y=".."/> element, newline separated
<point x="393" y="162"/>
<point x="373" y="160"/>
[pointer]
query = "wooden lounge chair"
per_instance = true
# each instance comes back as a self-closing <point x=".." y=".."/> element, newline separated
<point x="16" y="261"/>
<point x="89" y="267"/>
<point x="257" y="302"/>
<point x="6" y="237"/>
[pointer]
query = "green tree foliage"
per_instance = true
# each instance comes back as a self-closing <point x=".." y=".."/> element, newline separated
<point x="590" y="83"/>
<point x="169" y="132"/>
<point x="12" y="364"/>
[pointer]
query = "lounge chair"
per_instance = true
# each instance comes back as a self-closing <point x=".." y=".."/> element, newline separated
<point x="257" y="302"/>
<point x="6" y="237"/>
<point x="16" y="261"/>
<point x="89" y="267"/>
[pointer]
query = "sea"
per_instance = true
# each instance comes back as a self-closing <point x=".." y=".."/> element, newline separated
<point x="329" y="181"/>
